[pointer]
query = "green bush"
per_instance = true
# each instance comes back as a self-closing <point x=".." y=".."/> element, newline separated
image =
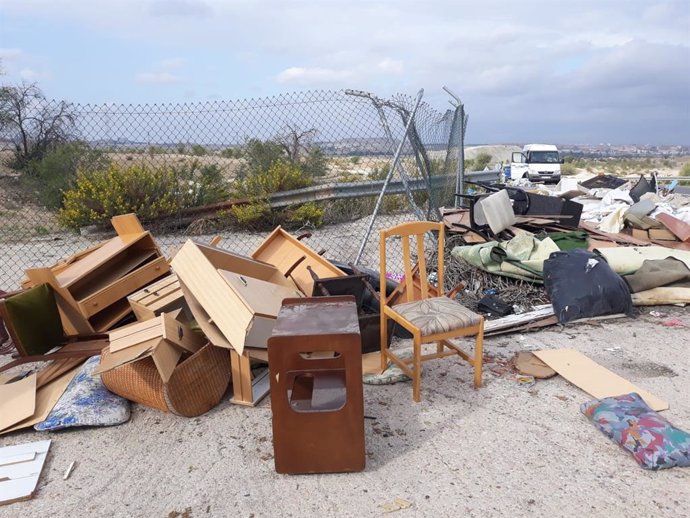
<point x="314" y="164"/>
<point x="568" y="168"/>
<point x="685" y="170"/>
<point x="481" y="161"/>
<point x="251" y="214"/>
<point x="231" y="153"/>
<point x="309" y="213"/>
<point x="278" y="177"/>
<point x="99" y="195"/>
<point x="198" y="150"/>
<point x="56" y="172"/>
<point x="259" y="156"/>
<point x="200" y="184"/>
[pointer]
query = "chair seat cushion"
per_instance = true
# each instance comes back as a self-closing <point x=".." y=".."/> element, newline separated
<point x="437" y="315"/>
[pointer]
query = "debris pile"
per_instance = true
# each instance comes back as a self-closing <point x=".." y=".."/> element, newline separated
<point x="120" y="323"/>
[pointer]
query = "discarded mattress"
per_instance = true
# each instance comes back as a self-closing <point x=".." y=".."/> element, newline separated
<point x="655" y="273"/>
<point x="580" y="284"/>
<point x="521" y="258"/>
<point x="86" y="402"/>
<point x="660" y="281"/>
<point x="629" y="259"/>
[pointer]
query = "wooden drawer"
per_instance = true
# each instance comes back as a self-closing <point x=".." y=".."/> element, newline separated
<point x="119" y="289"/>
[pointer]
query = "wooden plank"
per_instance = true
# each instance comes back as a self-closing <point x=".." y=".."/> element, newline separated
<point x="56" y="369"/>
<point x="128" y="355"/>
<point x="181" y="335"/>
<point x="217" y="298"/>
<point x="540" y="312"/>
<point x="283" y="250"/>
<point x="226" y="260"/>
<point x="18" y="479"/>
<point x="46" y="397"/>
<point x="591" y="377"/>
<point x="17" y="401"/>
<point x="127" y="224"/>
<point x="617" y="238"/>
<point x="677" y="227"/>
<point x="134" y="334"/>
<point x="204" y="321"/>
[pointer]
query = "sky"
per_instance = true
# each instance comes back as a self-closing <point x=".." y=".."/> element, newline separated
<point x="556" y="71"/>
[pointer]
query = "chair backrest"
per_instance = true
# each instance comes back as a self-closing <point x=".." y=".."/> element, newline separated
<point x="33" y="320"/>
<point x="415" y="231"/>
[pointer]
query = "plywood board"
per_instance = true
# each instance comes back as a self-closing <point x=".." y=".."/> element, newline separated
<point x="283" y="250"/>
<point x="46" y="397"/>
<point x="20" y="469"/>
<point x="17" y="401"/>
<point x="262" y="297"/>
<point x="128" y="355"/>
<point x="217" y="298"/>
<point x="204" y="320"/>
<point x="591" y="377"/>
<point x="371" y="363"/>
<point x="678" y="227"/>
<point x="134" y="334"/>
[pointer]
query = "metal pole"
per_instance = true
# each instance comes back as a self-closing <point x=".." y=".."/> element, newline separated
<point x="460" y="168"/>
<point x="394" y="165"/>
<point x="379" y="104"/>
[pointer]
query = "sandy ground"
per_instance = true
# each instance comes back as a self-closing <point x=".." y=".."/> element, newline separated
<point x="502" y="450"/>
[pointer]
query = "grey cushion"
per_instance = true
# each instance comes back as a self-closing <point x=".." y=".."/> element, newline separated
<point x="437" y="315"/>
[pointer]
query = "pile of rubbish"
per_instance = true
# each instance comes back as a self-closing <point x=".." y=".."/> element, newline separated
<point x="119" y="322"/>
<point x="510" y="236"/>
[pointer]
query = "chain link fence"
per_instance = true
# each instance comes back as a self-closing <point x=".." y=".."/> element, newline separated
<point x="339" y="145"/>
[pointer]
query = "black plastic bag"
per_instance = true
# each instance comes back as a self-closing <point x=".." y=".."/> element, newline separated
<point x="581" y="284"/>
<point x="494" y="306"/>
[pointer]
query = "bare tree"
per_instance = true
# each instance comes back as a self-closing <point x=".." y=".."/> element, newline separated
<point x="34" y="124"/>
<point x="296" y="143"/>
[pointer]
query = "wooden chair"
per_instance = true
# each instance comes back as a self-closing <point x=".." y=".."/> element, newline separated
<point x="430" y="318"/>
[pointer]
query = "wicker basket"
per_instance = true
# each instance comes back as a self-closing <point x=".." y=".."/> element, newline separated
<point x="196" y="385"/>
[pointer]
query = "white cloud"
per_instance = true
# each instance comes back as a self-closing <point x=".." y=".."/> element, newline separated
<point x="171" y="64"/>
<point x="160" y="78"/>
<point x="165" y="72"/>
<point x="180" y="8"/>
<point x="392" y="66"/>
<point x="313" y="76"/>
<point x="8" y="54"/>
<point x="28" y="74"/>
<point x="546" y="59"/>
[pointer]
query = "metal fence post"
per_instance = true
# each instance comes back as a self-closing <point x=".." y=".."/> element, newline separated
<point x="394" y="165"/>
<point x="460" y="168"/>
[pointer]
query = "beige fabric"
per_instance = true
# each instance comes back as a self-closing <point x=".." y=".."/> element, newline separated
<point x="437" y="315"/>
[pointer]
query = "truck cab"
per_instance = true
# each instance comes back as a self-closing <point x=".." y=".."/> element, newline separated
<point x="537" y="163"/>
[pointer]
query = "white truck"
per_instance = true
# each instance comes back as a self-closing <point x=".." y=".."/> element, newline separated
<point x="537" y="163"/>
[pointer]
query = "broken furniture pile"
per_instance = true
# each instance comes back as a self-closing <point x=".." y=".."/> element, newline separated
<point x="118" y="322"/>
<point x="174" y="341"/>
<point x="503" y="239"/>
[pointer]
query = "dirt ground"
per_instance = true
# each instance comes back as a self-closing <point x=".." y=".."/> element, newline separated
<point x="502" y="450"/>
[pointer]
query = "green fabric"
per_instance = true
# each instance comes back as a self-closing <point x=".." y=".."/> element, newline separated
<point x="35" y="318"/>
<point x="520" y="258"/>
<point x="570" y="240"/>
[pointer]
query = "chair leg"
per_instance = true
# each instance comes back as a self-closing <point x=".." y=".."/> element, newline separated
<point x="384" y="341"/>
<point x="417" y="378"/>
<point x="478" y="357"/>
<point x="439" y="347"/>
